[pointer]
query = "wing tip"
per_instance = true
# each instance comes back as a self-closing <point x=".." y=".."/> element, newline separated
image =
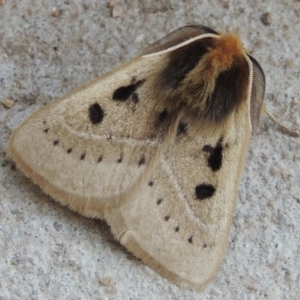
<point x="90" y="209"/>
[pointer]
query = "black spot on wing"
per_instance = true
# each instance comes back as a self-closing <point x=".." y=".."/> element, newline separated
<point x="56" y="142"/>
<point x="190" y="239"/>
<point x="159" y="201"/>
<point x="82" y="156"/>
<point x="167" y="218"/>
<point x="69" y="150"/>
<point x="151" y="183"/>
<point x="177" y="228"/>
<point x="123" y="93"/>
<point x="182" y="61"/>
<point x="204" y="191"/>
<point x="100" y="159"/>
<point x="46" y="130"/>
<point x="215" y="155"/>
<point x="120" y="159"/>
<point x="230" y="90"/>
<point x="96" y="113"/>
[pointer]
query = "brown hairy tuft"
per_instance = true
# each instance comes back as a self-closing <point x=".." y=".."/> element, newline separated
<point x="226" y="48"/>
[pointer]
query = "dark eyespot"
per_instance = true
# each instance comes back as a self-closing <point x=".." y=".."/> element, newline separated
<point x="46" y="130"/>
<point x="96" y="113"/>
<point x="56" y="142"/>
<point x="204" y="191"/>
<point x="177" y="228"/>
<point x="151" y="183"/>
<point x="69" y="150"/>
<point x="159" y="201"/>
<point x="82" y="157"/>
<point x="167" y="218"/>
<point x="120" y="159"/>
<point x="100" y="159"/>
<point x="190" y="239"/>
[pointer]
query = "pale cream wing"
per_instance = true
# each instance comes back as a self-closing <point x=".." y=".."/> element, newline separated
<point x="94" y="147"/>
<point x="179" y="222"/>
<point x="88" y="148"/>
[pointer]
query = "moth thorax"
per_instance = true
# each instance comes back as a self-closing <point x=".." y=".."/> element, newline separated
<point x="220" y="81"/>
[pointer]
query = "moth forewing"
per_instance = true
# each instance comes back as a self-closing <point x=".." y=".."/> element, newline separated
<point x="179" y="222"/>
<point x="156" y="147"/>
<point x="88" y="148"/>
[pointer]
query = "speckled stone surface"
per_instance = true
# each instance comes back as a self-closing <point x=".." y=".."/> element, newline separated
<point x="50" y="252"/>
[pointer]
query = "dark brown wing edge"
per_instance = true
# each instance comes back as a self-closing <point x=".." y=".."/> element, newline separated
<point x="177" y="37"/>
<point x="257" y="93"/>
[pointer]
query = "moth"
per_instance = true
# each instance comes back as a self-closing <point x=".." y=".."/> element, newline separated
<point x="156" y="148"/>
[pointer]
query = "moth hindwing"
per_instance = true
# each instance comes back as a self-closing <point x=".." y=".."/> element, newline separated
<point x="156" y="147"/>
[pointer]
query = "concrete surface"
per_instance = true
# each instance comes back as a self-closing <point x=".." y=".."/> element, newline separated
<point x="50" y="252"/>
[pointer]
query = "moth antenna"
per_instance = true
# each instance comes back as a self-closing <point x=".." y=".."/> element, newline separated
<point x="280" y="126"/>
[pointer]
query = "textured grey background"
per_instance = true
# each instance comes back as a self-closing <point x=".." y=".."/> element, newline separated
<point x="50" y="252"/>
